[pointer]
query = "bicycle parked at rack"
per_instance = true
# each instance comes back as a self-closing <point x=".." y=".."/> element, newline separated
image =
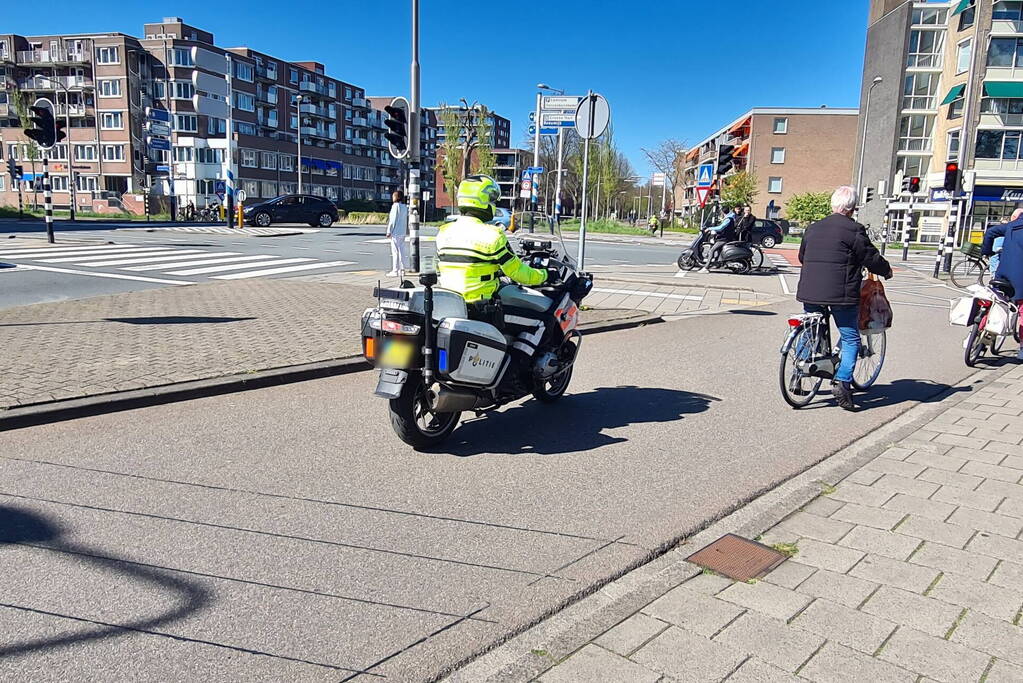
<point x="808" y="358"/>
<point x="971" y="268"/>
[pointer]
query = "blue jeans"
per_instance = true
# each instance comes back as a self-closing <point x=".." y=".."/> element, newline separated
<point x="847" y="320"/>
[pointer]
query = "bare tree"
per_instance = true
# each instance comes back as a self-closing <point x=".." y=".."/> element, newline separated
<point x="668" y="157"/>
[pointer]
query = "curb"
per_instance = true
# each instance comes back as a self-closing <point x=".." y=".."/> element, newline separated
<point x="58" y="411"/>
<point x="532" y="651"/>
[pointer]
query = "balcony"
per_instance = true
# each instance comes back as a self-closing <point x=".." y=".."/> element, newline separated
<point x="359" y="141"/>
<point x="265" y="74"/>
<point x="65" y="110"/>
<point x="313" y="87"/>
<point x="1006" y="27"/>
<point x="388" y="161"/>
<point x="360" y="121"/>
<point x="315" y="132"/>
<point x="314" y="110"/>
<point x="46" y="82"/>
<point x="386" y="179"/>
<point x="265" y="98"/>
<point x="359" y="102"/>
<point x="58" y="56"/>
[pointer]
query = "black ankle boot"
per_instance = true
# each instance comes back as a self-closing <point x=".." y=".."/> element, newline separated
<point x="843" y="395"/>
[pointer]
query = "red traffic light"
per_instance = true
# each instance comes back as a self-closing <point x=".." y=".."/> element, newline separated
<point x="951" y="167"/>
<point x="914" y="184"/>
<point x="951" y="176"/>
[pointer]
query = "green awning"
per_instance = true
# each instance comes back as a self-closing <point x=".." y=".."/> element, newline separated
<point x="1010" y="89"/>
<point x="954" y="94"/>
<point x="961" y="7"/>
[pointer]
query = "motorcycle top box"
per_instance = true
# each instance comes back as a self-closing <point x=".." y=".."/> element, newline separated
<point x="470" y="351"/>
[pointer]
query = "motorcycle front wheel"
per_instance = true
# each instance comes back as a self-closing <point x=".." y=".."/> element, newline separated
<point x="686" y="261"/>
<point x="413" y="420"/>
<point x="550" y="390"/>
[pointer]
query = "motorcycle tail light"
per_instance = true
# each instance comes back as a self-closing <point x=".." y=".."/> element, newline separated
<point x="795" y="322"/>
<point x="395" y="327"/>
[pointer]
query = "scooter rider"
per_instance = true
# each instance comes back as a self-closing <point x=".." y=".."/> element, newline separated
<point x="724" y="233"/>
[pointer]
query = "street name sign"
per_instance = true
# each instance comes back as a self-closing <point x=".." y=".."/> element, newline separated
<point x="157" y="128"/>
<point x="559" y="102"/>
<point x="159" y="143"/>
<point x="556" y="119"/>
<point x="158" y="115"/>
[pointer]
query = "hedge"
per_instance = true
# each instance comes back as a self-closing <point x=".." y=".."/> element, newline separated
<point x="366" y="218"/>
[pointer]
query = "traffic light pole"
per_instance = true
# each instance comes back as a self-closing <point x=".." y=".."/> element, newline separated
<point x="885" y="223"/>
<point x="414" y="151"/>
<point x="950" y="236"/>
<point x="950" y="219"/>
<point x="906" y="225"/>
<point x="48" y="198"/>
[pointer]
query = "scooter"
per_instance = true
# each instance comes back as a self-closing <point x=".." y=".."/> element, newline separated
<point x="737" y="257"/>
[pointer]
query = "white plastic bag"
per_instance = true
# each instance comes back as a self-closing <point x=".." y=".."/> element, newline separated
<point x="960" y="311"/>
<point x="997" y="319"/>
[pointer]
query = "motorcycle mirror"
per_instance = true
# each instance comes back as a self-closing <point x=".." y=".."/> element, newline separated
<point x="428" y="265"/>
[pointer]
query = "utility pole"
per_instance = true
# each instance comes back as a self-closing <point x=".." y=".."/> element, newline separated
<point x="557" y="184"/>
<point x="229" y="183"/>
<point x="533" y="192"/>
<point x="298" y="116"/>
<point x="415" y="156"/>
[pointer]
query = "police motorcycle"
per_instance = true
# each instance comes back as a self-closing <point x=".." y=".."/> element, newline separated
<point x="432" y="372"/>
<point x="737" y="257"/>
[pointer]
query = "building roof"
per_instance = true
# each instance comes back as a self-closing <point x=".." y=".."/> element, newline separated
<point x="792" y="111"/>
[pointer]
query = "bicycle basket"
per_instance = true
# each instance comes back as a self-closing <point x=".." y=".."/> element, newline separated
<point x="971" y="249"/>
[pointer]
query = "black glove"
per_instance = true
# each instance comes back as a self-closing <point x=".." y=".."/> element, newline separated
<point x="553" y="275"/>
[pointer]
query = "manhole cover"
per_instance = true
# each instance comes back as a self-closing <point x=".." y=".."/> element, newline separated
<point x="738" y="558"/>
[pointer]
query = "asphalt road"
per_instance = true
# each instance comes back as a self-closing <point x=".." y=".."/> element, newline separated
<point x="286" y="534"/>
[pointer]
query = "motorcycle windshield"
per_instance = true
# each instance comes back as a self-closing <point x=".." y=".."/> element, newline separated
<point x="538" y="226"/>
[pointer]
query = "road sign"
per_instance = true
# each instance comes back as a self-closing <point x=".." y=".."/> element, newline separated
<point x="159" y="143"/>
<point x="220" y="188"/>
<point x="701" y="194"/>
<point x="559" y="102"/>
<point x="557" y="119"/>
<point x="657" y="180"/>
<point x="162" y="168"/>
<point x="525" y="185"/>
<point x="705" y="176"/>
<point x="549" y="131"/>
<point x="531" y="129"/>
<point x="157" y="128"/>
<point x="532" y="116"/>
<point x="535" y="169"/>
<point x="240" y="195"/>
<point x="158" y="115"/>
<point x="592" y="116"/>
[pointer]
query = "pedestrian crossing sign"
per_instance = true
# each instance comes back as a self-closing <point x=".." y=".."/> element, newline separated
<point x="705" y="176"/>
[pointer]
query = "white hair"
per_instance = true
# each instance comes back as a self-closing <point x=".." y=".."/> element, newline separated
<point x="843" y="200"/>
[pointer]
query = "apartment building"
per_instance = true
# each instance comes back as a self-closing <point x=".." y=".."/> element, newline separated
<point x="500" y="128"/>
<point x="508" y="166"/>
<point x="788" y="150"/>
<point x="951" y="90"/>
<point x="397" y="170"/>
<point x="266" y="104"/>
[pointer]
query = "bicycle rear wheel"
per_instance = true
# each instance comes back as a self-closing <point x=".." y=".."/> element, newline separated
<point x="967" y="271"/>
<point x="873" y="348"/>
<point x="758" y="257"/>
<point x="797" y="387"/>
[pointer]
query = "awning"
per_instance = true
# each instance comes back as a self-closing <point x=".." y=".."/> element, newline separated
<point x="741" y="150"/>
<point x="1011" y="89"/>
<point x="315" y="163"/>
<point x="693" y="154"/>
<point x="962" y="6"/>
<point x="954" y="94"/>
<point x="334" y="164"/>
<point x="739" y="126"/>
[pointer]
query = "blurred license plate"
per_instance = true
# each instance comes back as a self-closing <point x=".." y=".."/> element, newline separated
<point x="397" y="353"/>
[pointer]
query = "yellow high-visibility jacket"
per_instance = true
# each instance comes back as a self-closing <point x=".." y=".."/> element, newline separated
<point x="472" y="254"/>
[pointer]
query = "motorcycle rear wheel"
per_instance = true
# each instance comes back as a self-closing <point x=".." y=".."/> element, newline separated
<point x="740" y="267"/>
<point x="686" y="261"/>
<point x="412" y="419"/>
<point x="550" y="390"/>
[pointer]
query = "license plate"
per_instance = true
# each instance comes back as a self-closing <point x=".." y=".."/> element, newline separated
<point x="397" y="353"/>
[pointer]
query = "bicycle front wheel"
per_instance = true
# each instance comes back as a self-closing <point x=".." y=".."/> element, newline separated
<point x="797" y="387"/>
<point x="966" y="272"/>
<point x="873" y="348"/>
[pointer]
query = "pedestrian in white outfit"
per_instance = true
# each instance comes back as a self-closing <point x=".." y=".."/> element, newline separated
<point x="397" y="229"/>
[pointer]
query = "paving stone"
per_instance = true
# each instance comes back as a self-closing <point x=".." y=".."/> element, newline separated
<point x="839" y="664"/>
<point x="899" y="467"/>
<point x="987" y="521"/>
<point x="931" y="530"/>
<point x="708" y="584"/>
<point x="775" y="601"/>
<point x="935" y="657"/>
<point x="770" y="640"/>
<point x="991" y="636"/>
<point x="982" y="456"/>
<point x="995" y="601"/>
<point x="910" y="577"/>
<point x="862" y="477"/>
<point x="879" y="518"/>
<point x="982" y="469"/>
<point x="790" y="574"/>
<point x="896" y="453"/>
<point x="1008" y="574"/>
<point x="1007" y="449"/>
<point x="966" y="482"/>
<point x="698" y="613"/>
<point x="946" y="428"/>
<point x="954" y="560"/>
<point x="1013" y="461"/>
<point x="824" y="506"/>
<point x="1011" y="507"/>
<point x="813" y="526"/>
<point x="955" y="495"/>
<point x="864" y="495"/>
<point x="919" y="445"/>
<point x="756" y="671"/>
<point x="879" y="542"/>
<point x="919" y="612"/>
<point x="996" y="435"/>
<point x="956" y="440"/>
<point x="844" y="589"/>
<point x="630" y="634"/>
<point x="1004" y="672"/>
<point x="1001" y="488"/>
<point x="898" y="484"/>
<point x="844" y="625"/>
<point x="687" y="657"/>
<point x="828" y="556"/>
<point x="592" y="663"/>
<point x="920" y="506"/>
<point x="934" y="460"/>
<point x="995" y="546"/>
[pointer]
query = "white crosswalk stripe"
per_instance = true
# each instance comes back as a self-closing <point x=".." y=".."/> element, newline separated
<point x="224" y="230"/>
<point x="192" y="261"/>
<point x="278" y="271"/>
<point x="238" y="266"/>
<point x="108" y="256"/>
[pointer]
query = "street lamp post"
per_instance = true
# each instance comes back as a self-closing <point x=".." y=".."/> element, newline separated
<point x="863" y="139"/>
<point x="70" y="161"/>
<point x="298" y="117"/>
<point x="561" y="151"/>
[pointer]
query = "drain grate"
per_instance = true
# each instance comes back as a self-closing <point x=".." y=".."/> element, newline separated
<point x="738" y="558"/>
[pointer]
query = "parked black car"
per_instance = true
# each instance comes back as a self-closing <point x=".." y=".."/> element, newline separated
<point x="767" y="233"/>
<point x="293" y="208"/>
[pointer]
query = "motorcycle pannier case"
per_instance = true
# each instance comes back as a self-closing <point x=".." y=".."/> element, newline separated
<point x="469" y="351"/>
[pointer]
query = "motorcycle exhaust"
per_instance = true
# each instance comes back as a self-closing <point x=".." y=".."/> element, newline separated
<point x="444" y="400"/>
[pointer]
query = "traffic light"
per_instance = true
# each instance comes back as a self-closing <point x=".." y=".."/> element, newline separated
<point x="397" y="122"/>
<point x="951" y="176"/>
<point x="914" y="184"/>
<point x="44" y="130"/>
<point x="868" y="194"/>
<point x="13" y="169"/>
<point x="725" y="159"/>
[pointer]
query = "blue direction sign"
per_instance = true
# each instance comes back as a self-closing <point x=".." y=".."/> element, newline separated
<point x="705" y="176"/>
<point x="548" y="131"/>
<point x="160" y="143"/>
<point x="158" y="115"/>
<point x="534" y="169"/>
<point x="220" y="188"/>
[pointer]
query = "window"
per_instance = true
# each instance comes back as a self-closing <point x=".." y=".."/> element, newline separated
<point x="915" y="132"/>
<point x="59" y="183"/>
<point x="181" y="56"/>
<point x="777" y="155"/>
<point x="955" y="108"/>
<point x="86" y="183"/>
<point x="292" y="75"/>
<point x="269" y="189"/>
<point x="208" y="155"/>
<point x="186" y="123"/>
<point x="182" y="154"/>
<point x="244" y="101"/>
<point x="929" y="17"/>
<point x="243" y="71"/>
<point x="919" y="90"/>
<point x="59" y="152"/>
<point x="953" y="145"/>
<point x="111" y="120"/>
<point x="3" y="178"/>
<point x="1001" y="105"/>
<point x="251" y="188"/>
<point x="113" y="152"/>
<point x="968" y="16"/>
<point x="249" y="158"/>
<point x="244" y="128"/>
<point x="1005" y="52"/>
<point x="287" y="162"/>
<point x="287" y="188"/>
<point x="109" y="88"/>
<point x="215" y="126"/>
<point x="205" y="186"/>
<point x="998" y="144"/>
<point x="182" y="90"/>
<point x="925" y="48"/>
<point x="271" y="118"/>
<point x="293" y="122"/>
<point x="781" y="125"/>
<point x="108" y="55"/>
<point x="348" y="93"/>
<point x="271" y="94"/>
<point x="271" y="70"/>
<point x="1007" y="9"/>
<point x="269" y="161"/>
<point x="774" y="185"/>
<point x="963" y="55"/>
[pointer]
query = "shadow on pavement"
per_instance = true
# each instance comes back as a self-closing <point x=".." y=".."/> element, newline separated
<point x="175" y="320"/>
<point x="25" y="527"/>
<point x="575" y="423"/>
<point x="893" y="393"/>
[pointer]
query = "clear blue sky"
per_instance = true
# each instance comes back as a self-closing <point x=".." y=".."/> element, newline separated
<point x="669" y="68"/>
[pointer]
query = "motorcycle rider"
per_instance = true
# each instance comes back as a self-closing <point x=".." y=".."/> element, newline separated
<point x="724" y="233"/>
<point x="472" y="254"/>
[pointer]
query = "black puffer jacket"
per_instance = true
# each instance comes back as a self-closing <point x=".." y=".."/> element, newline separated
<point x="833" y="253"/>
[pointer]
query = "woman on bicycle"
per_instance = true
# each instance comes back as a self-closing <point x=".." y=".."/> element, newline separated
<point x="1010" y="261"/>
<point x="834" y="253"/>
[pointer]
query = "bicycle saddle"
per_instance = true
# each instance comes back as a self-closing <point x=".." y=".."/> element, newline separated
<point x="1003" y="287"/>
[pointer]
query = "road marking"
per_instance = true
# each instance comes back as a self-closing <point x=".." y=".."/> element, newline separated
<point x="683" y="297"/>
<point x="784" y="284"/>
<point x="107" y="256"/>
<point x="681" y="273"/>
<point x="208" y="260"/>
<point x="64" y="252"/>
<point x="276" y="271"/>
<point x="906" y="303"/>
<point x="275" y="260"/>
<point x="114" y="276"/>
<point x="130" y="259"/>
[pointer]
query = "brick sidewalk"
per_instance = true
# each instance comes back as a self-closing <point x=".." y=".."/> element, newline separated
<point x="910" y="569"/>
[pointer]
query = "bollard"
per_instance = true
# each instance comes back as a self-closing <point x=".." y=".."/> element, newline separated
<point x="241" y="216"/>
